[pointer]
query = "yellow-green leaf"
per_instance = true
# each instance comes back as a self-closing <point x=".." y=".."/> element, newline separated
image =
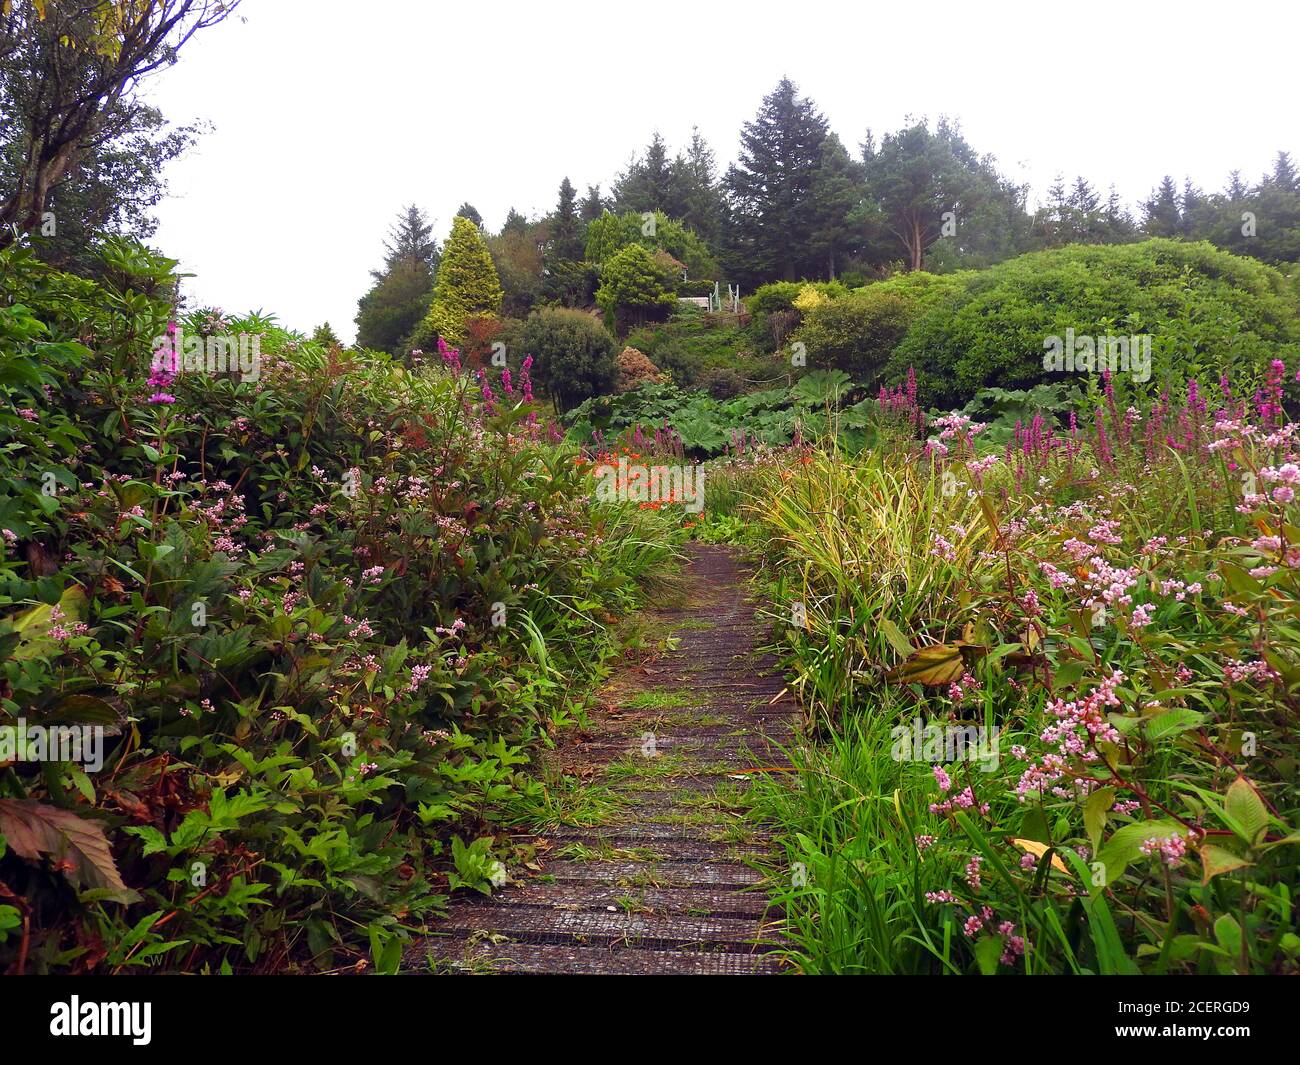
<point x="1216" y="860"/>
<point x="936" y="665"/>
<point x="1247" y="809"/>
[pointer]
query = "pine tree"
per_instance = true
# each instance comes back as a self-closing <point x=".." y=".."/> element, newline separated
<point x="649" y="183"/>
<point x="468" y="210"/>
<point x="1194" y="209"/>
<point x="411" y="237"/>
<point x="1117" y="222"/>
<point x="514" y="223"/>
<point x="324" y="334"/>
<point x="703" y="206"/>
<point x="593" y="205"/>
<point x="1284" y="175"/>
<point x="389" y="313"/>
<point x="1161" y="217"/>
<point x="836" y="191"/>
<point x="467" y="284"/>
<point x="1084" y="208"/>
<point x="566" y="228"/>
<point x="770" y="186"/>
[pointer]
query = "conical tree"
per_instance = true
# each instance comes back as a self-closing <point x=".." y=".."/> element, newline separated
<point x="771" y="182"/>
<point x="410" y="238"/>
<point x="566" y="227"/>
<point x="1162" y="217"/>
<point x="467" y="283"/>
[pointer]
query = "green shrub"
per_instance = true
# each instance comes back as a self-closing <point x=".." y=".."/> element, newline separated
<point x="573" y="354"/>
<point x="634" y="288"/>
<point x="1207" y="312"/>
<point x="777" y="296"/>
<point x="859" y="332"/>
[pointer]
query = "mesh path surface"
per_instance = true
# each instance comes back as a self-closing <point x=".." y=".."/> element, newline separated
<point x="662" y="883"/>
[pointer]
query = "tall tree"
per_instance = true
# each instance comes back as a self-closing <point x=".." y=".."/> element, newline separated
<point x="593" y="204"/>
<point x="837" y="189"/>
<point x="467" y="284"/>
<point x="387" y="315"/>
<point x="65" y="70"/>
<point x="411" y="237"/>
<point x="702" y="206"/>
<point x="111" y="186"/>
<point x="650" y="182"/>
<point x="1161" y="216"/>
<point x="566" y="227"/>
<point x="514" y="223"/>
<point x="468" y="210"/>
<point x="770" y="185"/>
<point x="928" y="185"/>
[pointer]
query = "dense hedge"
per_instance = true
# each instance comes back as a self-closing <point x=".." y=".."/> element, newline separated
<point x="1206" y="312"/>
<point x="858" y="333"/>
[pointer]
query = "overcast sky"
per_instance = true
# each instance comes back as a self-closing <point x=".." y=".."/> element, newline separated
<point x="330" y="116"/>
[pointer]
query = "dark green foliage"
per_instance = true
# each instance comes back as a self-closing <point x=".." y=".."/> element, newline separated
<point x="388" y="314"/>
<point x="773" y="217"/>
<point x="1207" y="312"/>
<point x="287" y="624"/>
<point x="573" y="354"/>
<point x="858" y="333"/>
<point x="566" y="240"/>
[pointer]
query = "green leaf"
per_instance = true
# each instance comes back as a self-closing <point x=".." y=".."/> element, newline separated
<point x="987" y="952"/>
<point x="1095" y="812"/>
<point x="896" y="639"/>
<point x="1125" y="845"/>
<point x="1245" y="807"/>
<point x="1216" y="860"/>
<point x="1172" y="722"/>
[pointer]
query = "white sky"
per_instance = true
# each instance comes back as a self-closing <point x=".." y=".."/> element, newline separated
<point x="331" y="115"/>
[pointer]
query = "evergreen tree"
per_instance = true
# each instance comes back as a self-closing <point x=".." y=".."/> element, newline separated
<point x="567" y="231"/>
<point x="773" y="221"/>
<point x="468" y="210"/>
<point x="389" y="313"/>
<point x="324" y="334"/>
<point x="514" y="223"/>
<point x="836" y="190"/>
<point x="1284" y="177"/>
<point x="927" y="185"/>
<point x="593" y="205"/>
<point x="649" y="183"/>
<point x="1161" y="216"/>
<point x="702" y="203"/>
<point x="1085" y="213"/>
<point x="467" y="284"/>
<point x="410" y="238"/>
<point x="1117" y="222"/>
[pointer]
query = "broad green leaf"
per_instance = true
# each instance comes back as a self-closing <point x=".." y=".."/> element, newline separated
<point x="1245" y="807"/>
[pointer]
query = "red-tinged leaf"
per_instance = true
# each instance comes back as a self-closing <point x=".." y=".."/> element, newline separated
<point x="76" y="847"/>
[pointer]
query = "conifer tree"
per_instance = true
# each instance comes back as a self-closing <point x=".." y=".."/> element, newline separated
<point x="467" y="283"/>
